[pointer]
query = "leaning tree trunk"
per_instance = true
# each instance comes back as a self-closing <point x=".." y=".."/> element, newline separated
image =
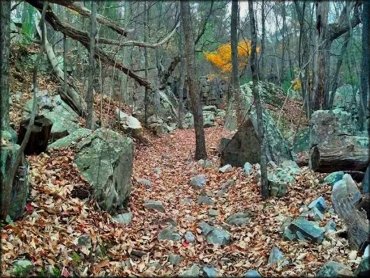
<point x="256" y="95"/>
<point x="200" y="148"/>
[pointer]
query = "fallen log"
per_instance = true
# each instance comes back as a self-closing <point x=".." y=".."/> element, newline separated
<point x="339" y="156"/>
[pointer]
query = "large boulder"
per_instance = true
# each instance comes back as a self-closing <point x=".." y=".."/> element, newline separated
<point x="71" y="140"/>
<point x="347" y="98"/>
<point x="238" y="150"/>
<point x="130" y="124"/>
<point x="104" y="159"/>
<point x="279" y="178"/>
<point x="64" y="119"/>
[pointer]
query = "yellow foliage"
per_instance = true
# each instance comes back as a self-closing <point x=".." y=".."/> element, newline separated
<point x="296" y="84"/>
<point x="221" y="58"/>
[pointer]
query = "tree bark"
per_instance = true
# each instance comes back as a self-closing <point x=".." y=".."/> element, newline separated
<point x="4" y="63"/>
<point x="234" y="61"/>
<point x="200" y="148"/>
<point x="365" y="64"/>
<point x="338" y="158"/>
<point x="257" y="99"/>
<point x="90" y="89"/>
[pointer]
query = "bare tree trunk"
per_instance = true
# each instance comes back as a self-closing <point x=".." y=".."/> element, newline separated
<point x="4" y="63"/>
<point x="200" y="148"/>
<point x="146" y="18"/>
<point x="337" y="69"/>
<point x="365" y="71"/>
<point x="181" y="81"/>
<point x="90" y="89"/>
<point x="263" y="37"/>
<point x="282" y="76"/>
<point x="256" y="95"/>
<point x="234" y="60"/>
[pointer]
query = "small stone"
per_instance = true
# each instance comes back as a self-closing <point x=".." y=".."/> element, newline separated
<point x="252" y="273"/>
<point x="308" y="229"/>
<point x="334" y="177"/>
<point x="198" y="181"/>
<point x="189" y="236"/>
<point x="213" y="212"/>
<point x="218" y="236"/>
<point x="334" y="269"/>
<point x="238" y="219"/>
<point x="169" y="233"/>
<point x="157" y="171"/>
<point x="205" y="227"/>
<point x="276" y="256"/>
<point x="123" y="218"/>
<point x="248" y="168"/>
<point x="193" y="271"/>
<point x="330" y="226"/>
<point x="155" y="205"/>
<point x="186" y="201"/>
<point x="352" y="255"/>
<point x="84" y="240"/>
<point x="174" y="259"/>
<point x="144" y="182"/>
<point x="209" y="271"/>
<point x="22" y="267"/>
<point x="319" y="203"/>
<point x="205" y="200"/>
<point x="316" y="214"/>
<point x="226" y="168"/>
<point x="288" y="234"/>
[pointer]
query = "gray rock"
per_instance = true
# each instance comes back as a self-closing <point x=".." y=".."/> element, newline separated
<point x="347" y="98"/>
<point x="205" y="163"/>
<point x="124" y="218"/>
<point x="310" y="230"/>
<point x="209" y="271"/>
<point x="252" y="273"/>
<point x="279" y="180"/>
<point x="238" y="219"/>
<point x="208" y="118"/>
<point x="288" y="234"/>
<point x="186" y="201"/>
<point x="71" y="139"/>
<point x="319" y="203"/>
<point x="316" y="214"/>
<point x="301" y="141"/>
<point x="193" y="271"/>
<point x="345" y="189"/>
<point x="330" y="226"/>
<point x="198" y="181"/>
<point x="205" y="200"/>
<point x="210" y="108"/>
<point x="226" y="168"/>
<point x="85" y="240"/>
<point x="169" y="233"/>
<point x="366" y="181"/>
<point x="174" y="259"/>
<point x="218" y="236"/>
<point x="247" y="168"/>
<point x="129" y="123"/>
<point x="363" y="269"/>
<point x="225" y="187"/>
<point x="205" y="228"/>
<point x="238" y="150"/>
<point x="153" y="204"/>
<point x="64" y="119"/>
<point x="334" y="177"/>
<point x="276" y="257"/>
<point x="144" y="182"/>
<point x="104" y="159"/>
<point x="189" y="236"/>
<point x="334" y="269"/>
<point x="213" y="212"/>
<point x="22" y="268"/>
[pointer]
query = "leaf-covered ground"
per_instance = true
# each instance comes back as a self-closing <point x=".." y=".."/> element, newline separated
<point x="55" y="219"/>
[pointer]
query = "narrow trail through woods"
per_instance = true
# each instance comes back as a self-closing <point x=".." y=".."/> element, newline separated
<point x="55" y="221"/>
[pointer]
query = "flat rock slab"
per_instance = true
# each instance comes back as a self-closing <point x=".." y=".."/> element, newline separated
<point x="238" y="219"/>
<point x="123" y="218"/>
<point x="209" y="271"/>
<point x="218" y="236"/>
<point x="334" y="177"/>
<point x="205" y="200"/>
<point x="155" y="205"/>
<point x="226" y="168"/>
<point x="319" y="203"/>
<point x="334" y="269"/>
<point x="193" y="271"/>
<point x="169" y="233"/>
<point x="310" y="230"/>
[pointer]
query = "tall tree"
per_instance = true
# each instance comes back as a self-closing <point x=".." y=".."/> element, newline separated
<point x="4" y="74"/>
<point x="90" y="89"/>
<point x="235" y="83"/>
<point x="365" y="72"/>
<point x="200" y="147"/>
<point x="258" y="104"/>
<point x="325" y="35"/>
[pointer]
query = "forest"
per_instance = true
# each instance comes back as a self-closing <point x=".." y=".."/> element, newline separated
<point x="184" y="138"/>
